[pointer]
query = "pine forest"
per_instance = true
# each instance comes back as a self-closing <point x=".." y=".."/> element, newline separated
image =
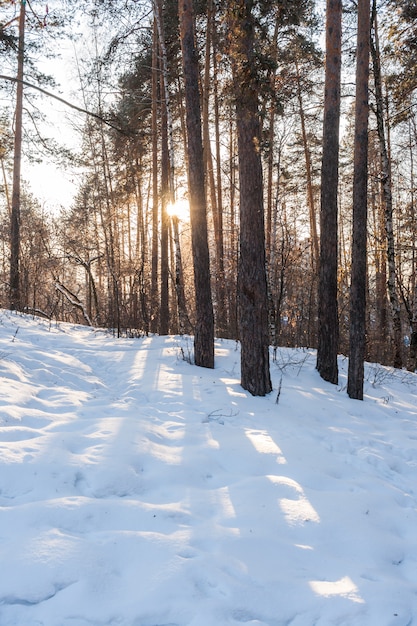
<point x="242" y="169"/>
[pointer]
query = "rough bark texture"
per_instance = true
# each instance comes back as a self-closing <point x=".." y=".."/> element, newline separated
<point x="357" y="334"/>
<point x="204" y="329"/>
<point x="328" y="324"/>
<point x="252" y="285"/>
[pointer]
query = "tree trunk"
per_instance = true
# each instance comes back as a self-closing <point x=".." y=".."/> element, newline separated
<point x="328" y="323"/>
<point x="157" y="5"/>
<point x="360" y="205"/>
<point x="155" y="194"/>
<point x="221" y="317"/>
<point x="184" y="323"/>
<point x="15" y="295"/>
<point x="164" y="288"/>
<point x="167" y="174"/>
<point x="204" y="330"/>
<point x="310" y="195"/>
<point x="252" y="285"/>
<point x="387" y="194"/>
<point x="412" y="361"/>
<point x="233" y="237"/>
<point x="219" y="189"/>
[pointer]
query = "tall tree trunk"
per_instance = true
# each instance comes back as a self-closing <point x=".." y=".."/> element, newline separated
<point x="167" y="156"/>
<point x="179" y="278"/>
<point x="219" y="188"/>
<point x="233" y="237"/>
<point x="328" y="323"/>
<point x="110" y="232"/>
<point x="252" y="285"/>
<point x="15" y="295"/>
<point x="155" y="193"/>
<point x="380" y="262"/>
<point x="157" y="5"/>
<point x="221" y="317"/>
<point x="271" y="147"/>
<point x="164" y="287"/>
<point x="387" y="193"/>
<point x="360" y="205"/>
<point x="412" y="361"/>
<point x="204" y="331"/>
<point x="310" y="195"/>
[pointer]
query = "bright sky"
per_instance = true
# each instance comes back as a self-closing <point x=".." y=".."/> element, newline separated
<point x="54" y="185"/>
<point x="51" y="183"/>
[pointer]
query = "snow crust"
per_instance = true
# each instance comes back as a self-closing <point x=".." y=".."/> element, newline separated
<point x="139" y="490"/>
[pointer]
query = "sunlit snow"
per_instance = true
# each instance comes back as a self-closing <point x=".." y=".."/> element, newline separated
<point x="139" y="490"/>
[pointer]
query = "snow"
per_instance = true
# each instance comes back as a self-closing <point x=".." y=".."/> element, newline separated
<point x="139" y="490"/>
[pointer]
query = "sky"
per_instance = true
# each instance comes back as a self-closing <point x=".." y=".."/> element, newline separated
<point x="137" y="489"/>
<point x="53" y="183"/>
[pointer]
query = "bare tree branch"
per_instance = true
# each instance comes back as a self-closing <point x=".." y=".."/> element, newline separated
<point x="68" y="104"/>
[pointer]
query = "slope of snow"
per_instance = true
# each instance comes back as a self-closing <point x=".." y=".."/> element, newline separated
<point x="139" y="490"/>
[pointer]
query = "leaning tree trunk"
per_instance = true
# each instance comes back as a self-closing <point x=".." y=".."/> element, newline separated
<point x="360" y="206"/>
<point x="252" y="284"/>
<point x="328" y="323"/>
<point x="204" y="329"/>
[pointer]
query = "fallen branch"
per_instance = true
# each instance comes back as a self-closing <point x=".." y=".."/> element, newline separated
<point x="74" y="300"/>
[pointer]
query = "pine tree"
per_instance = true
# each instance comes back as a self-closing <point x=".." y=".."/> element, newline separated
<point x="204" y="329"/>
<point x="252" y="285"/>
<point x="328" y="328"/>
<point x="360" y="204"/>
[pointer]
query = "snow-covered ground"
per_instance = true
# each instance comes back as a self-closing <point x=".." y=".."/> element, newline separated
<point x="139" y="490"/>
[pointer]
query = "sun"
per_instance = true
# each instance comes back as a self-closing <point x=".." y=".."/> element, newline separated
<point x="180" y="209"/>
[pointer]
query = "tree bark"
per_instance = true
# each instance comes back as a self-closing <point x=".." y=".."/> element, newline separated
<point x="315" y="248"/>
<point x="357" y="332"/>
<point x="220" y="287"/>
<point x="155" y="194"/>
<point x="164" y="287"/>
<point x="252" y="284"/>
<point x="219" y="189"/>
<point x="204" y="330"/>
<point x="328" y="323"/>
<point x="387" y="195"/>
<point x="184" y="324"/>
<point x="412" y="362"/>
<point x="15" y="294"/>
<point x="167" y="170"/>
